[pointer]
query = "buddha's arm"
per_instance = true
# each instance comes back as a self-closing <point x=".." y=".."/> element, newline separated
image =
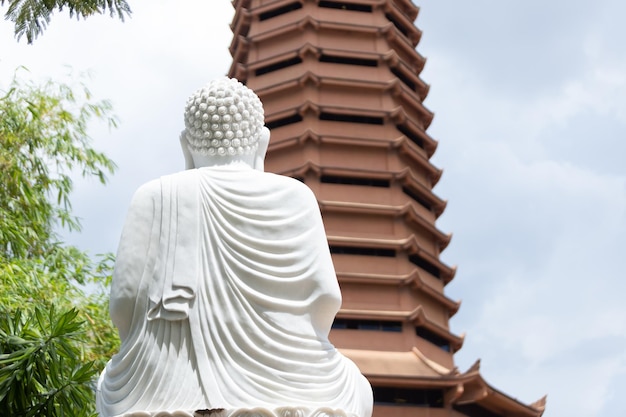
<point x="133" y="256"/>
<point x="328" y="298"/>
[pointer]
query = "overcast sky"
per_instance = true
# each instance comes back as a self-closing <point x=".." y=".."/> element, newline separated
<point x="530" y="114"/>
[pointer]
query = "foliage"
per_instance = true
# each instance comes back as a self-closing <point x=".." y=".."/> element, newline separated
<point x="52" y="283"/>
<point x="54" y="326"/>
<point x="31" y="17"/>
<point x="41" y="371"/>
<point x="44" y="138"/>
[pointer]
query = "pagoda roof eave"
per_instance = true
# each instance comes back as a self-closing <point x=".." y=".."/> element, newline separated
<point x="239" y="48"/>
<point x="411" y="367"/>
<point x="408" y="148"/>
<point x="406" y="210"/>
<point x="417" y="316"/>
<point x="241" y="21"/>
<point x="405" y="146"/>
<point x="489" y="397"/>
<point x="410" y="245"/>
<point x="409" y="9"/>
<point x="438" y="204"/>
<point x="411" y="99"/>
<point x="414" y="370"/>
<point x="394" y="61"/>
<point x="312" y="23"/>
<point x="414" y="278"/>
<point x="412" y="33"/>
<point x="399" y="42"/>
<point x="241" y="3"/>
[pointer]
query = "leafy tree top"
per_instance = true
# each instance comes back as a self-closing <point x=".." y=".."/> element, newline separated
<point x="31" y="17"/>
<point x="44" y="138"/>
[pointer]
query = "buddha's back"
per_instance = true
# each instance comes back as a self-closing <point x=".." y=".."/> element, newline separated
<point x="226" y="292"/>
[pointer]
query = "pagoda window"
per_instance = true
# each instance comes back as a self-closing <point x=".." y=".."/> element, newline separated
<point x="425" y="265"/>
<point x="372" y="182"/>
<point x="280" y="10"/>
<point x="377" y="325"/>
<point x="351" y="118"/>
<point x="433" y="338"/>
<point x="294" y="118"/>
<point x="349" y="61"/>
<point x="278" y="65"/>
<point x="432" y="398"/>
<point x="397" y="24"/>
<point x="419" y="199"/>
<point x="355" y="250"/>
<point x="346" y="6"/>
<point x="411" y="136"/>
<point x="404" y="78"/>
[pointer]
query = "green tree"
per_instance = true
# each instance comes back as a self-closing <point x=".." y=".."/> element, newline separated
<point x="31" y="17"/>
<point x="54" y="325"/>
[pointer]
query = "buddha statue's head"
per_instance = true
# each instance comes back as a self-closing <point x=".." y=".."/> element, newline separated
<point x="224" y="122"/>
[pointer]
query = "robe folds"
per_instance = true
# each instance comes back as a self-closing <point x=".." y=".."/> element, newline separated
<point x="224" y="293"/>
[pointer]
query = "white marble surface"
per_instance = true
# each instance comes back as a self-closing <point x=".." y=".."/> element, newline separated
<point x="224" y="290"/>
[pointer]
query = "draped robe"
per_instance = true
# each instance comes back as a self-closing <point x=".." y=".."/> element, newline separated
<point x="224" y="293"/>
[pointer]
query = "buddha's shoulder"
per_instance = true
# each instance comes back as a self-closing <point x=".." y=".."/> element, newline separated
<point x="148" y="191"/>
<point x="289" y="183"/>
<point x="154" y="188"/>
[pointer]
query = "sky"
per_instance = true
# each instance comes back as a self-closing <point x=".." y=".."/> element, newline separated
<point x="530" y="114"/>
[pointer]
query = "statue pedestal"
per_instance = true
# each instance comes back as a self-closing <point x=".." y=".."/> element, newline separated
<point x="245" y="412"/>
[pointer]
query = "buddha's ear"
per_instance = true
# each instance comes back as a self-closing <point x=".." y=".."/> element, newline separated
<point x="264" y="141"/>
<point x="186" y="152"/>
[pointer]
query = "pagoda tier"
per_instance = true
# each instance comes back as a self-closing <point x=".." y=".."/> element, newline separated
<point x="340" y="84"/>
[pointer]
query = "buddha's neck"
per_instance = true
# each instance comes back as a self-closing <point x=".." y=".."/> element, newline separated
<point x="226" y="162"/>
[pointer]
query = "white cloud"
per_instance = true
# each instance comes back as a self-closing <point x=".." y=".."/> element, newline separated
<point x="537" y="188"/>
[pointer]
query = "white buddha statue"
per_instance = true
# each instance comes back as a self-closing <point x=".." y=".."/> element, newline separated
<point x="224" y="290"/>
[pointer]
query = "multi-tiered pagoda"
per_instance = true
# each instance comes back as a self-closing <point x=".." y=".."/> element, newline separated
<point x="343" y="99"/>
